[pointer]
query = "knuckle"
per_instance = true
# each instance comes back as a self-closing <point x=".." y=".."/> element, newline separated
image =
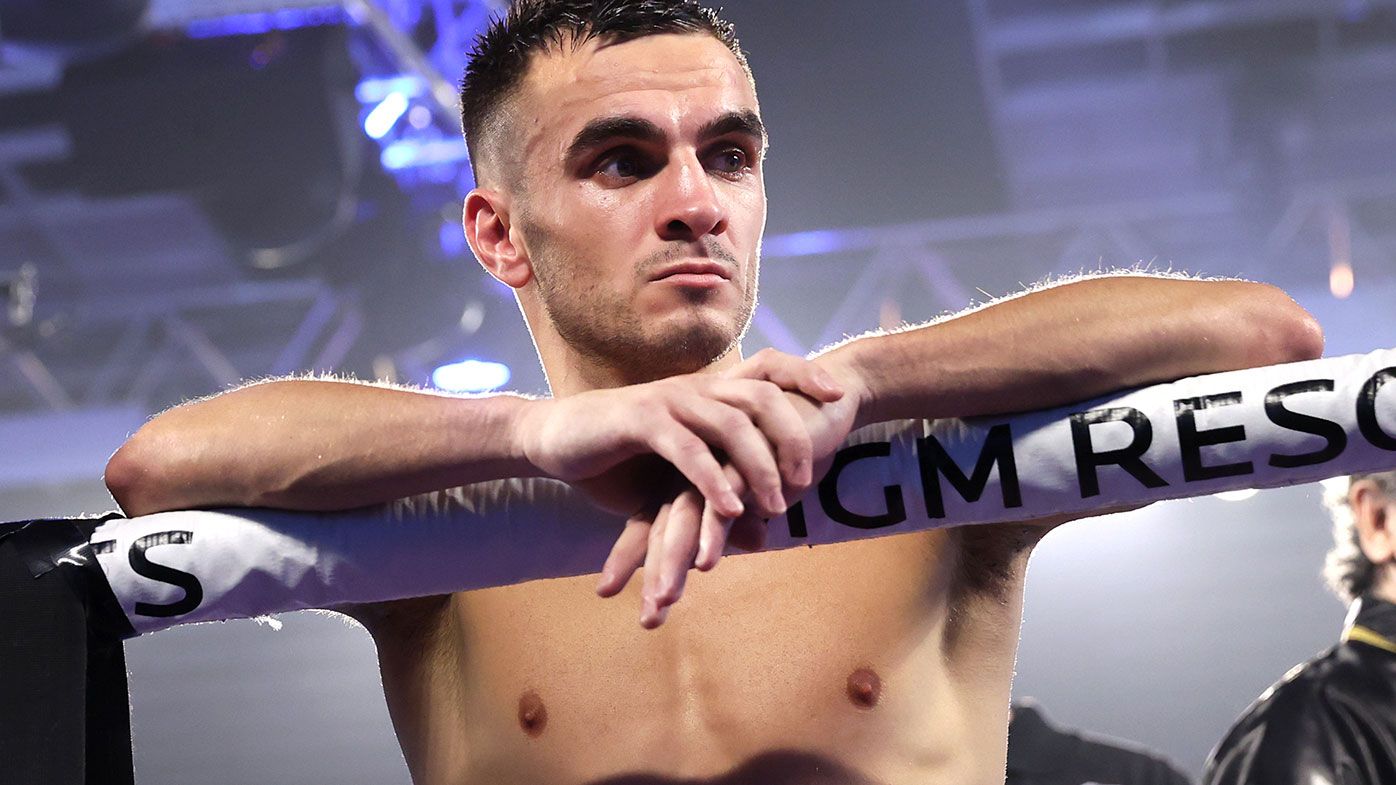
<point x="769" y="354"/>
<point x="801" y="445"/>
<point x="768" y="475"/>
<point x="767" y="393"/>
<point x="690" y="445"/>
<point x="733" y="422"/>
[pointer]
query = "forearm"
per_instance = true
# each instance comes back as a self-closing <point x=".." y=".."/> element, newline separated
<point x="314" y="445"/>
<point x="1073" y="342"/>
<point x="887" y="479"/>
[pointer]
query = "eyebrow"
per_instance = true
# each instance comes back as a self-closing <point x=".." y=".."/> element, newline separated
<point x="604" y="129"/>
<point x="745" y="122"/>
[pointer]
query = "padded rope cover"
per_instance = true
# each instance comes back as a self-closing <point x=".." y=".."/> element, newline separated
<point x="1263" y="427"/>
<point x="64" y="713"/>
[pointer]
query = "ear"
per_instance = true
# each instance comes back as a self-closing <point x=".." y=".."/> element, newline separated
<point x="1372" y="511"/>
<point x="487" y="225"/>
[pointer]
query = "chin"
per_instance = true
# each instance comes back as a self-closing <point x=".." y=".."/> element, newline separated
<point x="695" y="345"/>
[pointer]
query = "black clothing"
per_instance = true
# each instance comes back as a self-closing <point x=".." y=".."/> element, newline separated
<point x="65" y="718"/>
<point x="1039" y="753"/>
<point x="1329" y="720"/>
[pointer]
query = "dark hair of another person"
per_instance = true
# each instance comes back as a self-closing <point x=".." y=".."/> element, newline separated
<point x="1350" y="574"/>
<point x="502" y="53"/>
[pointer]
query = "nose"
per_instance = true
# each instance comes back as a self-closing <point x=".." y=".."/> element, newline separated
<point x="690" y="207"/>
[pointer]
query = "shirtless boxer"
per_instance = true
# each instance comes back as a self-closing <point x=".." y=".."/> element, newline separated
<point x="618" y="154"/>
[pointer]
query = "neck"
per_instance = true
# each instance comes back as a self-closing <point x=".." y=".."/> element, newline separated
<point x="569" y="372"/>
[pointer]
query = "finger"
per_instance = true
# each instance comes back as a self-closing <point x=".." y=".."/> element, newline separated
<point x="651" y="615"/>
<point x="747" y="448"/>
<point x="679" y="547"/>
<point x="693" y="458"/>
<point x="712" y="538"/>
<point x="774" y="413"/>
<point x="626" y="556"/>
<point x="791" y="373"/>
<point x="748" y="533"/>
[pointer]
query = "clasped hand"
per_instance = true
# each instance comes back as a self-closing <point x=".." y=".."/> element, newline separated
<point x="695" y="461"/>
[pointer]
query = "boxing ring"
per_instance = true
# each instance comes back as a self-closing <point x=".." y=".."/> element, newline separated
<point x="74" y="589"/>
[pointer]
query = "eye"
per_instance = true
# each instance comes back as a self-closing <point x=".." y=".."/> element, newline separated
<point x="622" y="165"/>
<point x="729" y="160"/>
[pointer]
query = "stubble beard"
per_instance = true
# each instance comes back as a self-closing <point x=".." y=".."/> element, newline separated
<point x="602" y="325"/>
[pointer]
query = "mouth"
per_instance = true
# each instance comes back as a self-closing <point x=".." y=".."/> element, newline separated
<point x="694" y="272"/>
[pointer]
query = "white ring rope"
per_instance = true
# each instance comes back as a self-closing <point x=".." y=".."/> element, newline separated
<point x="1257" y="428"/>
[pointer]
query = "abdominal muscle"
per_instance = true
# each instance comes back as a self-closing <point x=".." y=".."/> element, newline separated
<point x="853" y="663"/>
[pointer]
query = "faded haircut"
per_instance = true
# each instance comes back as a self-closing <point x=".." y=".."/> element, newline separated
<point x="502" y="53"/>
<point x="1348" y="571"/>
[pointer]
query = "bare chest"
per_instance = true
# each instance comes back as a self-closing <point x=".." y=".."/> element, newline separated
<point x="835" y="651"/>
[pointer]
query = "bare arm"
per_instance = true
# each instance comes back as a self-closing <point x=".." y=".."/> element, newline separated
<point x="1072" y="342"/>
<point x="328" y="445"/>
<point x="306" y="444"/>
<point x="1045" y="348"/>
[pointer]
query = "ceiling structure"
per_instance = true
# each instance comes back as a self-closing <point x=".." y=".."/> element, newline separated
<point x="1241" y="137"/>
<point x="1237" y="137"/>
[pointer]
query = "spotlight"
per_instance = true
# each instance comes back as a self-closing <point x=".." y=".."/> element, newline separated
<point x="385" y="115"/>
<point x="411" y="153"/>
<point x="470" y="376"/>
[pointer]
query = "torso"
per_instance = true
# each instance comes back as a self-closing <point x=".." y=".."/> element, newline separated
<point x="881" y="661"/>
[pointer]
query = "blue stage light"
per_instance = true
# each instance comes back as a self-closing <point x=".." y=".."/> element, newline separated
<point x="410" y="153"/>
<point x="385" y="115"/>
<point x="372" y="91"/>
<point x="814" y="243"/>
<point x="470" y="376"/>
<point x="259" y="23"/>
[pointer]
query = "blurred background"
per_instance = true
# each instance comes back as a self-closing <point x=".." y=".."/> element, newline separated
<point x="198" y="192"/>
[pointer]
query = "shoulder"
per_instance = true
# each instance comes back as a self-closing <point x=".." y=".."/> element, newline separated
<point x="1284" y="732"/>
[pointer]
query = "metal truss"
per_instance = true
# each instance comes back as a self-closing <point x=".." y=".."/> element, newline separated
<point x="155" y="347"/>
<point x="194" y="321"/>
<point x="820" y="287"/>
<point x="456" y="23"/>
<point x="153" y="352"/>
<point x="92" y="324"/>
<point x="152" y="341"/>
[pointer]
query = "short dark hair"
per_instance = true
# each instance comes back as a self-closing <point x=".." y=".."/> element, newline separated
<point x="502" y="53"/>
<point x="1350" y="574"/>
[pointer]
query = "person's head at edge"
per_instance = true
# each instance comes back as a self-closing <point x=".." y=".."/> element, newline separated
<point x="1363" y="558"/>
<point x="617" y="148"/>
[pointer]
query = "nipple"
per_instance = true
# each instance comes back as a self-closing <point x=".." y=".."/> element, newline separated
<point x="533" y="715"/>
<point x="864" y="688"/>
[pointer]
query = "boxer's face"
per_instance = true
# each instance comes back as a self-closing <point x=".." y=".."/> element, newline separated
<point x="641" y="201"/>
